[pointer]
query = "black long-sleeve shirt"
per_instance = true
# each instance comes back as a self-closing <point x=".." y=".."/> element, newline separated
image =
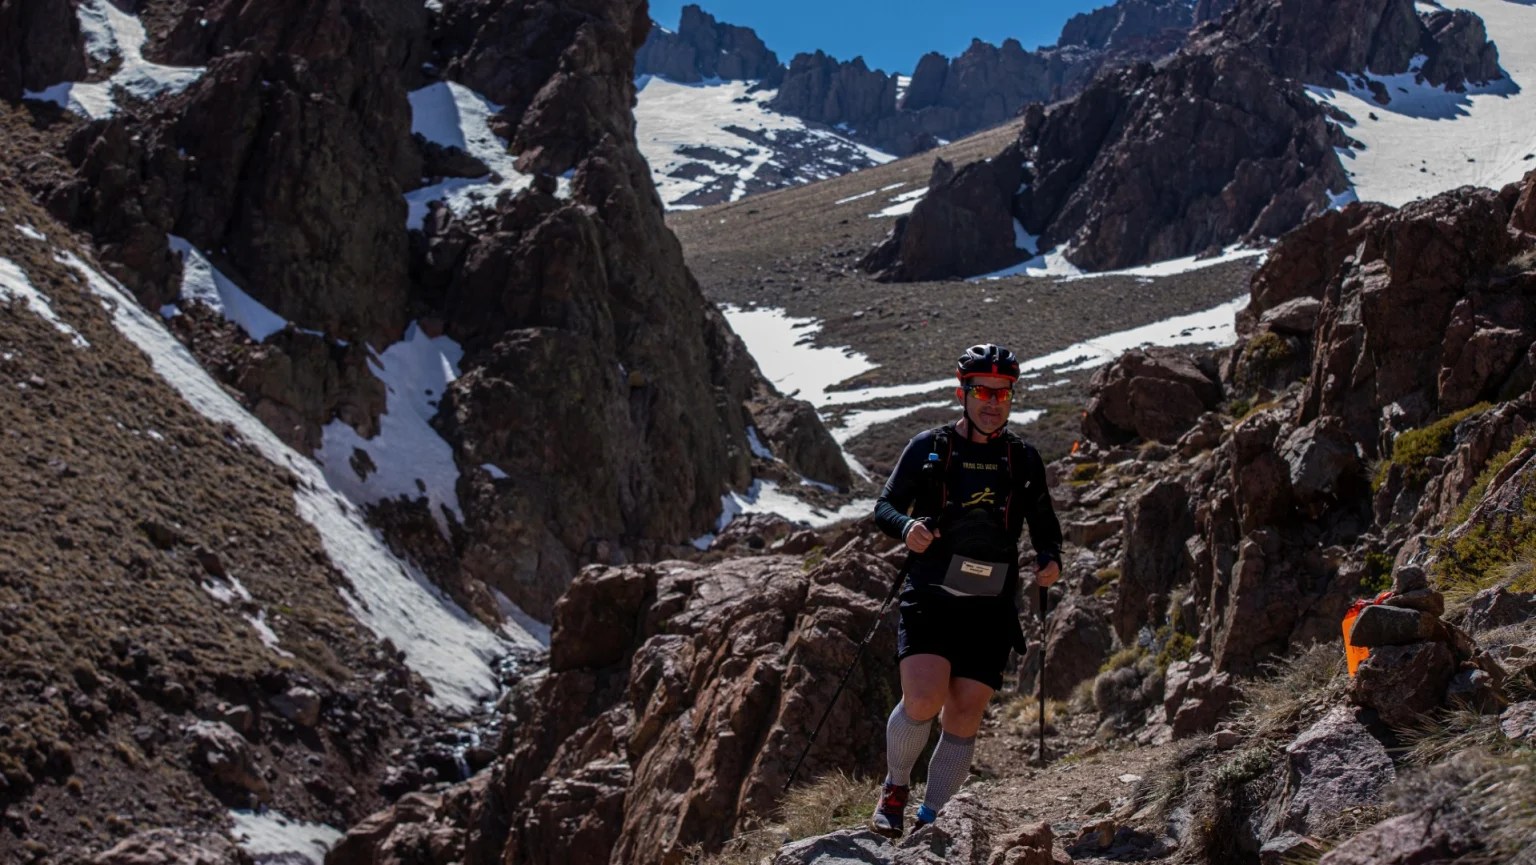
<point x="978" y="475"/>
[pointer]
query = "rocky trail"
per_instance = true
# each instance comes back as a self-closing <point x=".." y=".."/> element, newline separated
<point x="392" y="480"/>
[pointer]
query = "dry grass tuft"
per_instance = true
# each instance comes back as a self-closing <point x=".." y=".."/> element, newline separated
<point x="1023" y="713"/>
<point x="1275" y="705"/>
<point x="1450" y="733"/>
<point x="831" y="802"/>
<point x="1493" y="793"/>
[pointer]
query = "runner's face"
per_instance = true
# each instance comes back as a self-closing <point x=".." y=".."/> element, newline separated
<point x="989" y="414"/>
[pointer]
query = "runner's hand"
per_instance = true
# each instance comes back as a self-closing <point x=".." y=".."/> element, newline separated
<point x="1047" y="575"/>
<point x="919" y="537"/>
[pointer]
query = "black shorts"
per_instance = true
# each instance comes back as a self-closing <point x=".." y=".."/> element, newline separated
<point x="973" y="634"/>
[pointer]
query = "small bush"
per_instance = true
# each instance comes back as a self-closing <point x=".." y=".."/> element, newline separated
<point x="1126" y="657"/>
<point x="1084" y="473"/>
<point x="1244" y="766"/>
<point x="1412" y="449"/>
<point x="1178" y="648"/>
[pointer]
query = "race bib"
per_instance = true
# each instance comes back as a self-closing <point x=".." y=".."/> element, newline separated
<point x="974" y="577"/>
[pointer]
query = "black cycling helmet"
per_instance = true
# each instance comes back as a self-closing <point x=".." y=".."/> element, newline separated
<point x="987" y="359"/>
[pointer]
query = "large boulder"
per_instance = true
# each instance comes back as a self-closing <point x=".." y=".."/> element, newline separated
<point x="1429" y="835"/>
<point x="1333" y="765"/>
<point x="1155" y="394"/>
<point x="1077" y="642"/>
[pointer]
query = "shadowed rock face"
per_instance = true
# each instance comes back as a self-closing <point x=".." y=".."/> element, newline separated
<point x="607" y="762"/>
<point x="40" y="45"/>
<point x="1379" y="36"/>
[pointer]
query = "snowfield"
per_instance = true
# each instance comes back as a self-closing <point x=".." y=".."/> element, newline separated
<point x="718" y="134"/>
<point x="1429" y="140"/>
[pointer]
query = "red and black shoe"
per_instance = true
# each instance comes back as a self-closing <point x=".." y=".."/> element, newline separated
<point x="891" y="811"/>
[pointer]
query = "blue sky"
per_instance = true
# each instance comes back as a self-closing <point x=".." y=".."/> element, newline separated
<point x="889" y="34"/>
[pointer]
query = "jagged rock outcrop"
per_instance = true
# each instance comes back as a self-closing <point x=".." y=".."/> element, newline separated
<point x="1287" y="526"/>
<point x="964" y="223"/>
<point x="607" y="762"/>
<point x="1379" y="36"/>
<point x="1155" y="394"/>
<point x="245" y="163"/>
<point x="704" y="48"/>
<point x="1218" y="145"/>
<point x="40" y="46"/>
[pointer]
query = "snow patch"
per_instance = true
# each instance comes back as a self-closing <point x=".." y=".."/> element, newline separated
<point x="527" y="627"/>
<point x="757" y="446"/>
<point x="781" y="346"/>
<point x="453" y="115"/>
<point x="903" y="204"/>
<point x="110" y="32"/>
<point x="30" y="232"/>
<point x="201" y="281"/>
<point x="1056" y="264"/>
<point x="494" y="471"/>
<point x="408" y="458"/>
<point x="445" y="645"/>
<point x="15" y="286"/>
<point x="272" y="839"/>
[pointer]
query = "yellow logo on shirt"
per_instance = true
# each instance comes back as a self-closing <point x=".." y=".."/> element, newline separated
<point x="985" y="497"/>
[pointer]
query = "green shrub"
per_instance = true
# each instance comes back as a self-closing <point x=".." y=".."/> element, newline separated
<point x="1244" y="766"/>
<point x="1413" y="448"/>
<point x="1126" y="657"/>
<point x="1178" y="648"/>
<point x="1083" y="473"/>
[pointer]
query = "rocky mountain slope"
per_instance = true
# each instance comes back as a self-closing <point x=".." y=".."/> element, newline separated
<point x="721" y="118"/>
<point x="373" y="279"/>
<point x="1220" y="144"/>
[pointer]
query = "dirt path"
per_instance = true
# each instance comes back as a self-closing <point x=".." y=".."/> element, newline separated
<point x="1088" y="792"/>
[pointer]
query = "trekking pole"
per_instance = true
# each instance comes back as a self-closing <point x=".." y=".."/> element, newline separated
<point x="1043" y="624"/>
<point x="879" y="619"/>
